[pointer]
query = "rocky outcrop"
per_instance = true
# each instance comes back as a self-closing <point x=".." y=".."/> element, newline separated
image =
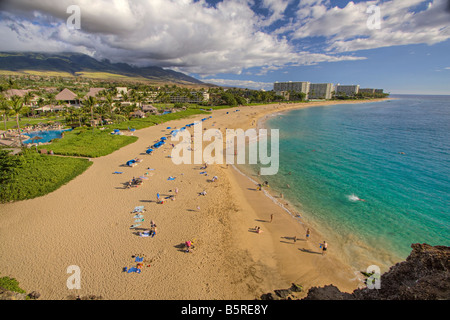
<point x="424" y="275"/>
<point x="88" y="297"/>
<point x="12" y="295"/>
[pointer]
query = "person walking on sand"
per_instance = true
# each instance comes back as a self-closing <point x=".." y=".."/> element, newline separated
<point x="153" y="231"/>
<point x="324" y="247"/>
<point x="308" y="233"/>
<point x="176" y="190"/>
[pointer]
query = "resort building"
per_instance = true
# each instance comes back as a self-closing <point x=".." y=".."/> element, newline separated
<point x="379" y="90"/>
<point x="301" y="86"/>
<point x="320" y="91"/>
<point x="347" y="90"/>
<point x="284" y="94"/>
<point x="148" y="108"/>
<point x="194" y="97"/>
<point x="138" y="114"/>
<point x="15" y="92"/>
<point x="121" y="91"/>
<point x="367" y="90"/>
<point x="93" y="92"/>
<point x="68" y="97"/>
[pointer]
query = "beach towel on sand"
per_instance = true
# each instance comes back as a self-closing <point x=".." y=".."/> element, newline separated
<point x="171" y="178"/>
<point x="133" y="269"/>
<point x="138" y="216"/>
<point x="138" y="259"/>
<point x="135" y="226"/>
<point x="117" y="172"/>
<point x="138" y="209"/>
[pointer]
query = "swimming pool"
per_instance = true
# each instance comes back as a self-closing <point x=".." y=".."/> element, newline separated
<point x="46" y="136"/>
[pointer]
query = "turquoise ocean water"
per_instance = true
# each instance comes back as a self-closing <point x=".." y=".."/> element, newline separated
<point x="393" y="154"/>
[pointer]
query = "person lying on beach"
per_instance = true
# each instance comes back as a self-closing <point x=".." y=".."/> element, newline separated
<point x="203" y="193"/>
<point x="258" y="229"/>
<point x="214" y="179"/>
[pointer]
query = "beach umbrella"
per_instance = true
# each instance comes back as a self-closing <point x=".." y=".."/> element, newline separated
<point x="163" y="138"/>
<point x="35" y="139"/>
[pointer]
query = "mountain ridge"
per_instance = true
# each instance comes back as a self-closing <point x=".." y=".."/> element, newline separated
<point x="78" y="64"/>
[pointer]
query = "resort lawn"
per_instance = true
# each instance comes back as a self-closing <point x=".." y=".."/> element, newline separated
<point x="24" y="121"/>
<point x="38" y="175"/>
<point x="87" y="142"/>
<point x="140" y="123"/>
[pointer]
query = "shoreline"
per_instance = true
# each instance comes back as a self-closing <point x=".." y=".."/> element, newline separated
<point x="317" y="274"/>
<point x="86" y="223"/>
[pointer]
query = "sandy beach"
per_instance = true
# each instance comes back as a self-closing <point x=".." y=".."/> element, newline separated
<point x="87" y="222"/>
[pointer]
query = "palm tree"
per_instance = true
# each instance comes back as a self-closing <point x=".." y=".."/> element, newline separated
<point x="109" y="103"/>
<point x="40" y="103"/>
<point x="16" y="106"/>
<point x="5" y="108"/>
<point x="90" y="103"/>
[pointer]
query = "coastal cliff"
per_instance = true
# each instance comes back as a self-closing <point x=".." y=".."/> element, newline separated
<point x="424" y="275"/>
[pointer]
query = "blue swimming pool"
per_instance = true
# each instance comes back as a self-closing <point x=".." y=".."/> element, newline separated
<point x="46" y="136"/>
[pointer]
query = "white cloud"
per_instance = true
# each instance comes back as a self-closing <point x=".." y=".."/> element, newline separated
<point x="189" y="35"/>
<point x="346" y="28"/>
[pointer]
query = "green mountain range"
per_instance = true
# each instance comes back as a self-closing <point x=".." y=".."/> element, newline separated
<point x="77" y="64"/>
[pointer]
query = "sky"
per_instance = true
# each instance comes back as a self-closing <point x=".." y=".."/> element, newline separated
<point x="401" y="46"/>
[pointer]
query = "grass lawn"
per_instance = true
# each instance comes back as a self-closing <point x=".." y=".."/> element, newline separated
<point x="40" y="174"/>
<point x="152" y="120"/>
<point x="87" y="142"/>
<point x="24" y="121"/>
